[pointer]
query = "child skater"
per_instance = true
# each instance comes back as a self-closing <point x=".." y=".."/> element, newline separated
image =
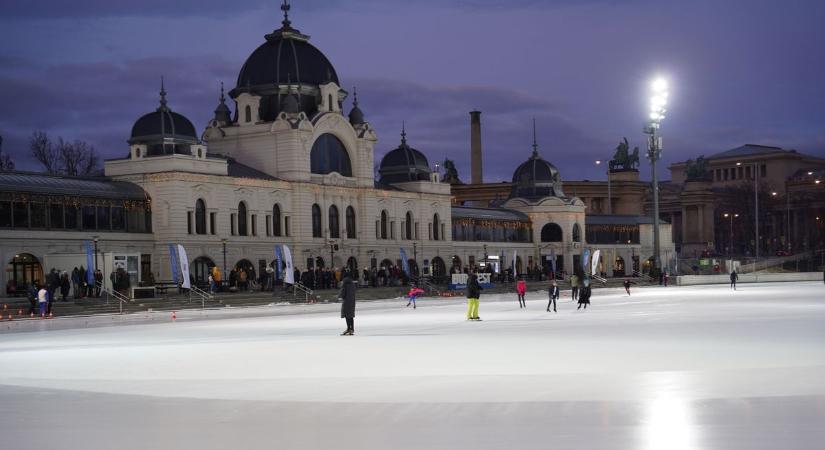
<point x="414" y="292"/>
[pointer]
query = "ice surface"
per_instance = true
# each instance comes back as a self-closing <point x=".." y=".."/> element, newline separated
<point x="674" y="368"/>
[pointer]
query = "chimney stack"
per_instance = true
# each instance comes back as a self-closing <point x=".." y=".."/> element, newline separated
<point x="477" y="171"/>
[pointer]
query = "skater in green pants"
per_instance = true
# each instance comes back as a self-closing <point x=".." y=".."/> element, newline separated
<point x="473" y="293"/>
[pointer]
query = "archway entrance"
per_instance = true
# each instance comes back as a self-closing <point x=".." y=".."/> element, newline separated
<point x="439" y="270"/>
<point x="456" y="267"/>
<point x="249" y="268"/>
<point x="21" y="271"/>
<point x="386" y="264"/>
<point x="619" y="269"/>
<point x="551" y="233"/>
<point x="201" y="268"/>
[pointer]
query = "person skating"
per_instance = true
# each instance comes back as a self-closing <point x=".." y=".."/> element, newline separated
<point x="584" y="295"/>
<point x="414" y="292"/>
<point x="627" y="284"/>
<point x="43" y="300"/>
<point x="574" y="287"/>
<point x="347" y="296"/>
<point x="521" y="289"/>
<point x="554" y="295"/>
<point x="733" y="279"/>
<point x="473" y="293"/>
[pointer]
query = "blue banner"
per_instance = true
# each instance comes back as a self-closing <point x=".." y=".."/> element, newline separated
<point x="173" y="259"/>
<point x="585" y="259"/>
<point x="278" y="262"/>
<point x="90" y="262"/>
<point x="404" y="264"/>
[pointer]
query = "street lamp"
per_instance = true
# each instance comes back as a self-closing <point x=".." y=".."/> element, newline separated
<point x="95" y="238"/>
<point x="415" y="257"/>
<point x="731" y="215"/>
<point x="223" y="241"/>
<point x="609" y="190"/>
<point x="658" y="101"/>
<point x="756" y="206"/>
<point x="787" y="216"/>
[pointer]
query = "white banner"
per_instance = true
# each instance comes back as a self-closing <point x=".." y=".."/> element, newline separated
<point x="289" y="275"/>
<point x="515" y="267"/>
<point x="184" y="267"/>
<point x="595" y="264"/>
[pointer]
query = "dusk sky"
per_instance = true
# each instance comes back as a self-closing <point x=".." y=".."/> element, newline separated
<point x="740" y="71"/>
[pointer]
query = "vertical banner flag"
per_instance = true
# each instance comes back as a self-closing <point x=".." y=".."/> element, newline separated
<point x="289" y="276"/>
<point x="515" y="268"/>
<point x="404" y="264"/>
<point x="278" y="262"/>
<point x="90" y="262"/>
<point x="173" y="260"/>
<point x="553" y="260"/>
<point x="585" y="259"/>
<point x="595" y="264"/>
<point x="184" y="267"/>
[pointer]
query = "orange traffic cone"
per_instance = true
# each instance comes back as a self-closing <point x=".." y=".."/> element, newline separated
<point x="174" y="316"/>
<point x="11" y="317"/>
<point x="19" y="312"/>
<point x="51" y="315"/>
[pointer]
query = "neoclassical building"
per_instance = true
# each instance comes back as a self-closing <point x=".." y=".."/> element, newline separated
<point x="279" y="163"/>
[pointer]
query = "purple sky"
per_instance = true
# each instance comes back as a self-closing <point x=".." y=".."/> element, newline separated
<point x="741" y="71"/>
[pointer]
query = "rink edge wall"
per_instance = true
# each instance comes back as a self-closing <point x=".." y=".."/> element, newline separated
<point x="690" y="280"/>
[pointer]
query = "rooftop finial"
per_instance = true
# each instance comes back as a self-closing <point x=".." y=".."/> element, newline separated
<point x="162" y="94"/>
<point x="222" y="96"/>
<point x="403" y="133"/>
<point x="354" y="97"/>
<point x="285" y="9"/>
<point x="535" y="145"/>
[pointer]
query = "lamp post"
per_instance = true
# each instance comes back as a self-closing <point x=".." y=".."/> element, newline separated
<point x="756" y="207"/>
<point x="415" y="256"/>
<point x="609" y="189"/>
<point x="787" y="217"/>
<point x="332" y="246"/>
<point x="223" y="241"/>
<point x="731" y="216"/>
<point x="95" y="238"/>
<point x="654" y="150"/>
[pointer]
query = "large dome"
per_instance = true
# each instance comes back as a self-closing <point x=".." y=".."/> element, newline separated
<point x="536" y="178"/>
<point x="284" y="58"/>
<point x="403" y="164"/>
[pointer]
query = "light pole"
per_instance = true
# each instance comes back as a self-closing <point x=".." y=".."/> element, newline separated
<point x="654" y="151"/>
<point x="95" y="238"/>
<point x="787" y="217"/>
<point x="223" y="241"/>
<point x="415" y="257"/>
<point x="756" y="207"/>
<point x="731" y="216"/>
<point x="609" y="190"/>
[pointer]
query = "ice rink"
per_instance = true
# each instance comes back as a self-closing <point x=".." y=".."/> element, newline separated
<point x="667" y="368"/>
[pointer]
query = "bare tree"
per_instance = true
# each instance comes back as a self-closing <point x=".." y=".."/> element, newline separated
<point x="77" y="158"/>
<point x="6" y="164"/>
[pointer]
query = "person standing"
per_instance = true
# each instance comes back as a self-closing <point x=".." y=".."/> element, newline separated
<point x="574" y="287"/>
<point x="553" y="292"/>
<point x="473" y="294"/>
<point x="76" y="283"/>
<point x="667" y="277"/>
<point x="65" y="285"/>
<point x="43" y="300"/>
<point x="347" y="296"/>
<point x="733" y="279"/>
<point x="584" y="295"/>
<point x="521" y="289"/>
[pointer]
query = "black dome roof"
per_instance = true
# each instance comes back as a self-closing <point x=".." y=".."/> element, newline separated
<point x="163" y="123"/>
<point x="536" y="178"/>
<point x="403" y="164"/>
<point x="286" y="58"/>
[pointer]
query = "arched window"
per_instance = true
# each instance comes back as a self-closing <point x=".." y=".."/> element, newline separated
<point x="408" y="226"/>
<point x="329" y="155"/>
<point x="242" y="219"/>
<point x="276" y="220"/>
<point x="436" y="227"/>
<point x="248" y="114"/>
<point x="200" y="217"/>
<point x="334" y="228"/>
<point x="551" y="233"/>
<point x="577" y="233"/>
<point x="350" y="222"/>
<point x="383" y="224"/>
<point x="316" y="221"/>
<point x="330" y="103"/>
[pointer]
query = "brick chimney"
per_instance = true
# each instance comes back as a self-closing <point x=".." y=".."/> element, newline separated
<point x="477" y="171"/>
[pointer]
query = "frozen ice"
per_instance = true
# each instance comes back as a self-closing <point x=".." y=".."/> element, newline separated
<point x="665" y="368"/>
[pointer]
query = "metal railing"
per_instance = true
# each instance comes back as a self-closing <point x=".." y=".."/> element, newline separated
<point x="112" y="293"/>
<point x="308" y="293"/>
<point x="599" y="279"/>
<point x="203" y="295"/>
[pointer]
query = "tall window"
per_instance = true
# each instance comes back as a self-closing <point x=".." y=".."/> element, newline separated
<point x="383" y="224"/>
<point x="350" y="222"/>
<point x="577" y="233"/>
<point x="200" y="217"/>
<point x="436" y="227"/>
<point x="242" y="231"/>
<point x="408" y="226"/>
<point x="276" y="220"/>
<point x="316" y="221"/>
<point x="334" y="228"/>
<point x="248" y="114"/>
<point x="329" y="155"/>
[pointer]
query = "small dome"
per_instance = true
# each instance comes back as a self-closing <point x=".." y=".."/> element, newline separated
<point x="536" y="178"/>
<point x="290" y="104"/>
<point x="356" y="116"/>
<point x="163" y="130"/>
<point x="404" y="164"/>
<point x="222" y="112"/>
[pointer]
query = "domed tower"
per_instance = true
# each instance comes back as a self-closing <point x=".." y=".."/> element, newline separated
<point x="163" y="132"/>
<point x="286" y="59"/>
<point x="403" y="164"/>
<point x="536" y="178"/>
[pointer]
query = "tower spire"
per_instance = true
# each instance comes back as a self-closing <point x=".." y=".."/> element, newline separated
<point x="354" y="97"/>
<point x="223" y="98"/>
<point x="535" y="145"/>
<point x="162" y="95"/>
<point x="403" y="133"/>
<point x="285" y="8"/>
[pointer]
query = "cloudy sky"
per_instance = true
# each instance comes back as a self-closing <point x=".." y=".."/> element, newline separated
<point x="748" y="71"/>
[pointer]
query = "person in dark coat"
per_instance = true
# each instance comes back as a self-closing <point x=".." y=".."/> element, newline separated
<point x="347" y="296"/>
<point x="584" y="295"/>
<point x="473" y="293"/>
<point x="627" y="284"/>
<point x="733" y="279"/>
<point x="553" y="292"/>
<point x="65" y="285"/>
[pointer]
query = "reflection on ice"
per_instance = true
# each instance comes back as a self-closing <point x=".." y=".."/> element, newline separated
<point x="669" y="422"/>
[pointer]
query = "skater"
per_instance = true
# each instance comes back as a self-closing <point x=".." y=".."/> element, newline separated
<point x="521" y="289"/>
<point x="574" y="287"/>
<point x="584" y="295"/>
<point x="43" y="300"/>
<point x="414" y="292"/>
<point x="627" y="284"/>
<point x="347" y="297"/>
<point x="733" y="278"/>
<point x="667" y="277"/>
<point x="473" y="293"/>
<point x="554" y="295"/>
